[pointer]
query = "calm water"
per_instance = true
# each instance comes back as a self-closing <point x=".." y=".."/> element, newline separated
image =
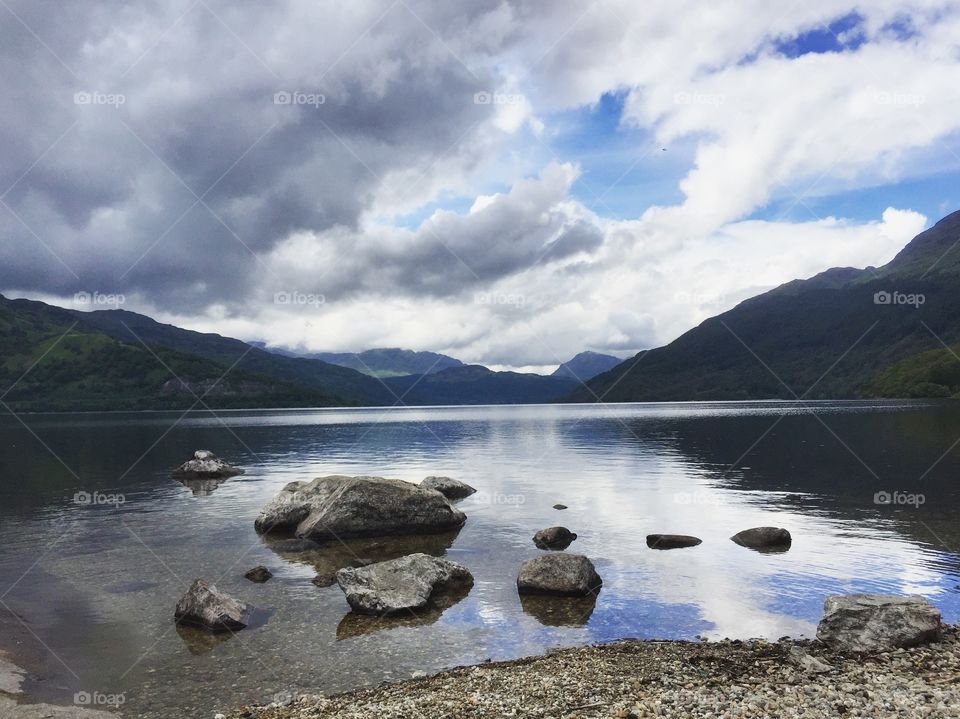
<point x="88" y="591"/>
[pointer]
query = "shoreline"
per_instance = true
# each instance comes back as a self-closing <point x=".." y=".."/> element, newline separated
<point x="637" y="678"/>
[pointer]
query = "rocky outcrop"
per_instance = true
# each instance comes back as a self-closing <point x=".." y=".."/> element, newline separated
<point x="877" y="622"/>
<point x="450" y="488"/>
<point x="259" y="574"/>
<point x="764" y="539"/>
<point x="206" y="607"/>
<point x="406" y="584"/>
<point x="672" y="541"/>
<point x="571" y="575"/>
<point x="341" y="507"/>
<point x="557" y="538"/>
<point x="205" y="465"/>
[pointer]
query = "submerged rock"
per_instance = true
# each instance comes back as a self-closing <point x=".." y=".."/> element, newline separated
<point x="205" y="606"/>
<point x="259" y="574"/>
<point x="570" y="575"/>
<point x="407" y="583"/>
<point x="764" y="538"/>
<point x="877" y="622"/>
<point x="205" y="465"/>
<point x="554" y="538"/>
<point x="341" y="507"/>
<point x="672" y="541"/>
<point x="448" y="487"/>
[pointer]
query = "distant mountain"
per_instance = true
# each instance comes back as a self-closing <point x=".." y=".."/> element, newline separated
<point x="389" y="362"/>
<point x="475" y="384"/>
<point x="586" y="365"/>
<point x="840" y="334"/>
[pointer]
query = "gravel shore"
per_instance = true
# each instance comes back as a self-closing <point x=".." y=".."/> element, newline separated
<point x="724" y="679"/>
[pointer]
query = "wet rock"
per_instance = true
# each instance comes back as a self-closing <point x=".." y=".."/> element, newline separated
<point x="554" y="538"/>
<point x="877" y="622"/>
<point x="205" y="606"/>
<point x="324" y="580"/>
<point x="764" y="539"/>
<point x="205" y="465"/>
<point x="407" y="583"/>
<point x="259" y="574"/>
<point x="339" y="507"/>
<point x="450" y="488"/>
<point x="672" y="541"/>
<point x="560" y="506"/>
<point x="559" y="574"/>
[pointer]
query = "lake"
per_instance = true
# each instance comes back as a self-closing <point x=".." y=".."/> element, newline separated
<point x="97" y="542"/>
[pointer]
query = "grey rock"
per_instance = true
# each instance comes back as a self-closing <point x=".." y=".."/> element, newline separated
<point x="808" y="663"/>
<point x="554" y="538"/>
<point x="206" y="607"/>
<point x="559" y="506"/>
<point x="205" y="465"/>
<point x="341" y="507"/>
<point x="448" y="487"/>
<point x="561" y="574"/>
<point x="764" y="538"/>
<point x="877" y="622"/>
<point x="672" y="541"/>
<point x="398" y="585"/>
<point x="259" y="574"/>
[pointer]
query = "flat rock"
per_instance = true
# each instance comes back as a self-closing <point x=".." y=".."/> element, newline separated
<point x="560" y="506"/>
<point x="259" y="574"/>
<point x="404" y="584"/>
<point x="877" y="622"/>
<point x="672" y="541"/>
<point x="448" y="487"/>
<point x="206" y="607"/>
<point x="341" y="507"/>
<point x="570" y="575"/>
<point x="205" y="465"/>
<point x="554" y="538"/>
<point x="764" y="538"/>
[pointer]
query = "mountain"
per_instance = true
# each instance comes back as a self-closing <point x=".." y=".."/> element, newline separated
<point x="389" y="362"/>
<point x="52" y="361"/>
<point x="840" y="334"/>
<point x="586" y="365"/>
<point x="475" y="384"/>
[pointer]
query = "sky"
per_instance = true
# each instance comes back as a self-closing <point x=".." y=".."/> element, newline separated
<point x="507" y="181"/>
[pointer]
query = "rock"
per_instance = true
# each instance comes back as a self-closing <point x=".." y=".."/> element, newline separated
<point x="808" y="663"/>
<point x="205" y="465"/>
<point x="205" y="606"/>
<point x="324" y="580"/>
<point x="560" y="574"/>
<point x="340" y="507"/>
<point x="554" y="538"/>
<point x="764" y="538"/>
<point x="407" y="583"/>
<point x="877" y="622"/>
<point x="559" y="506"/>
<point x="259" y="574"/>
<point x="448" y="487"/>
<point x="672" y="541"/>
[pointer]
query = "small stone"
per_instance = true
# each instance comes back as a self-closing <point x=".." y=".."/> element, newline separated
<point x="259" y="574"/>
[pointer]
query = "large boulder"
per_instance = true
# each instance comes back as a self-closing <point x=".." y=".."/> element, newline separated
<point x="206" y="607"/>
<point x="570" y="575"/>
<point x="769" y="539"/>
<point x="341" y="507"/>
<point x="877" y="622"/>
<point x="447" y="486"/>
<point x="672" y="541"/>
<point x="205" y="465"/>
<point x="405" y="584"/>
<point x="554" y="538"/>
